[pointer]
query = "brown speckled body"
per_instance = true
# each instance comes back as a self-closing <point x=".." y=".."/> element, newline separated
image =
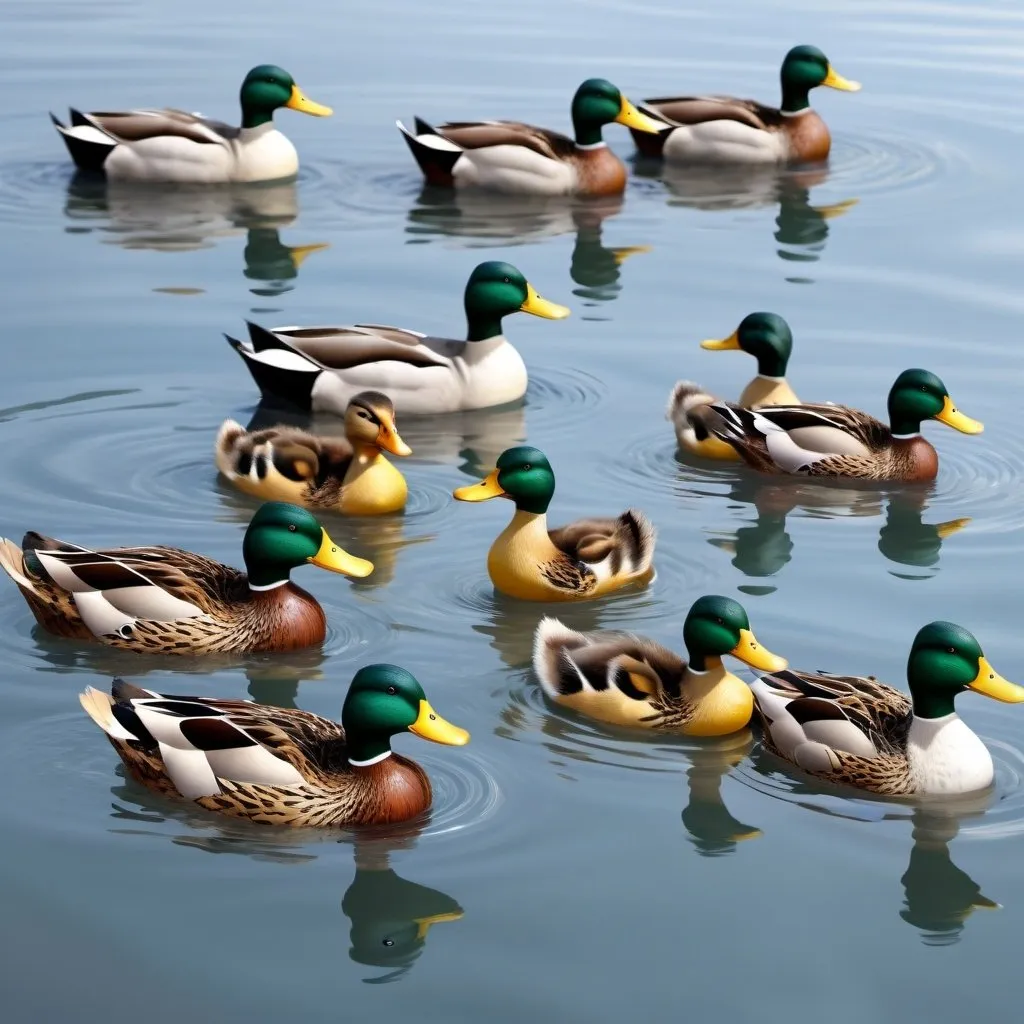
<point x="335" y="793"/>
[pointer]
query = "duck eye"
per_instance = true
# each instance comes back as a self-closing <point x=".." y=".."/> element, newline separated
<point x="721" y="622"/>
<point x="388" y="942"/>
<point x="507" y="281"/>
<point x="392" y="690"/>
<point x="951" y="650"/>
<point x="527" y="468"/>
<point x="292" y="527"/>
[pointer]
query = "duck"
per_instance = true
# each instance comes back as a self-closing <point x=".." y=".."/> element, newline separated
<point x="843" y="443"/>
<point x="348" y="475"/>
<point x="857" y="731"/>
<point x="279" y="766"/>
<point x="521" y="159"/>
<point x="585" y="559"/>
<point x="163" y="600"/>
<point x="723" y="129"/>
<point x="174" y="146"/>
<point x="319" y="369"/>
<point x="768" y="338"/>
<point x="629" y="680"/>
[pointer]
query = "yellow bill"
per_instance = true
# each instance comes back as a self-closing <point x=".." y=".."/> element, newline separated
<point x="756" y="656"/>
<point x="302" y="103"/>
<point x="485" y="490"/>
<point x="623" y="252"/>
<point x="730" y="344"/>
<point x="388" y="437"/>
<point x="836" y="81"/>
<point x="298" y="253"/>
<point x="989" y="682"/>
<point x="951" y="526"/>
<point x="632" y="118"/>
<point x="423" y="924"/>
<point x="953" y="417"/>
<point x="336" y="559"/>
<point x="542" y="307"/>
<point x="835" y="209"/>
<point x="432" y="726"/>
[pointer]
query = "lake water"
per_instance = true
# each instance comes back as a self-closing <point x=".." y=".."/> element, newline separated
<point x="587" y="874"/>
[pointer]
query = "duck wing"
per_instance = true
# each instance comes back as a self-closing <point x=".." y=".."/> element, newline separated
<point x="485" y="134"/>
<point x="130" y="126"/>
<point x="690" y="110"/>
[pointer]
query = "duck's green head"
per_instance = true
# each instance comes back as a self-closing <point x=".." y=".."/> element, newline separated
<point x="946" y="660"/>
<point x="268" y="88"/>
<point x="919" y="395"/>
<point x="384" y="700"/>
<point x="804" y="69"/>
<point x="495" y="290"/>
<point x="765" y="336"/>
<point x="597" y="102"/>
<point x="281" y="537"/>
<point x="719" y="625"/>
<point x="522" y="474"/>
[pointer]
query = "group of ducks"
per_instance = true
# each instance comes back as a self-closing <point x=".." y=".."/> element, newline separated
<point x="291" y="767"/>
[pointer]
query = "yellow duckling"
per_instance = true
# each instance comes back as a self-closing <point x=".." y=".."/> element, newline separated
<point x="348" y="475"/>
<point x="585" y="559"/>
<point x="630" y="680"/>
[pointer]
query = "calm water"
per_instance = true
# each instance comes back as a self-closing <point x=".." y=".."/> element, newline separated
<point x="598" y="874"/>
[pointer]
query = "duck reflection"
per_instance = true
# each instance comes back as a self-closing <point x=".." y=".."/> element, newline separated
<point x="801" y="228"/>
<point x="487" y="220"/>
<point x="710" y="825"/>
<point x="938" y="896"/>
<point x="764" y="547"/>
<point x="182" y="219"/>
<point x="390" y="917"/>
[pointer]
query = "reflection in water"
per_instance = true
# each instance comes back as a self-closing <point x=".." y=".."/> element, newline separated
<point x="484" y="221"/>
<point x="390" y="916"/>
<point x="471" y="440"/>
<point x="765" y="547"/>
<point x="938" y="896"/>
<point x="179" y="219"/>
<point x="801" y="229"/>
<point x="712" y="829"/>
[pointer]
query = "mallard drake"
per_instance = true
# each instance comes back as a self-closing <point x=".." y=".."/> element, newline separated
<point x="520" y="159"/>
<point x="585" y="559"/>
<point x="160" y="600"/>
<point x="319" y="369"/>
<point x="174" y="146"/>
<point x="348" y="475"/>
<point x="837" y="441"/>
<point x="723" y="129"/>
<point x="629" y="680"/>
<point x="279" y="766"/>
<point x="860" y="732"/>
<point x="767" y="337"/>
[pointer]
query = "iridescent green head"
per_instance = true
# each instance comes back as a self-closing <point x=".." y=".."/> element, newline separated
<point x="765" y="336"/>
<point x="495" y="290"/>
<point x="805" y="68"/>
<point x="920" y="395"/>
<point x="718" y="625"/>
<point x="522" y="474"/>
<point x="268" y="88"/>
<point x="384" y="700"/>
<point x="597" y="102"/>
<point x="944" y="661"/>
<point x="281" y="537"/>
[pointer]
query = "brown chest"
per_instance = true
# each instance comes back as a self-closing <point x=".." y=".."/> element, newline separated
<point x="284" y="619"/>
<point x="914" y="460"/>
<point x="600" y="172"/>
<point x="809" y="138"/>
<point x="394" y="789"/>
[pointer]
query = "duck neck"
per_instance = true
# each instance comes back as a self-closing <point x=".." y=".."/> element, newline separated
<point x="268" y="576"/>
<point x="587" y="133"/>
<point x="701" y="663"/>
<point x="931" y="705"/>
<point x="903" y="427"/>
<point x="364" y="750"/>
<point x="795" y="98"/>
<point x="482" y="326"/>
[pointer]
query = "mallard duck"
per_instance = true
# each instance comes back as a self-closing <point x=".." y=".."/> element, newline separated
<point x="860" y="732"/>
<point x="585" y="559"/>
<point x="629" y="680"/>
<point x="723" y="129"/>
<point x="174" y="146"/>
<point x="837" y="441"/>
<point x="348" y="475"/>
<point x="279" y="766"/>
<point x="319" y="369"/>
<point x="516" y="158"/>
<point x="160" y="600"/>
<point x="767" y="337"/>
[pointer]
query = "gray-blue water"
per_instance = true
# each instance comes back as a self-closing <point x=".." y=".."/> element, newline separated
<point x="600" y="875"/>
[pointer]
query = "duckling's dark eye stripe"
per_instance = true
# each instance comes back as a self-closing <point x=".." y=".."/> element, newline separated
<point x="369" y="412"/>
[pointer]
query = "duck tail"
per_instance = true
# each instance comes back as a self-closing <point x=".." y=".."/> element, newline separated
<point x="435" y="155"/>
<point x="225" y="451"/>
<point x="686" y="396"/>
<point x="281" y="372"/>
<point x="553" y="644"/>
<point x="744" y="429"/>
<point x="99" y="706"/>
<point x="87" y="143"/>
<point x="12" y="560"/>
